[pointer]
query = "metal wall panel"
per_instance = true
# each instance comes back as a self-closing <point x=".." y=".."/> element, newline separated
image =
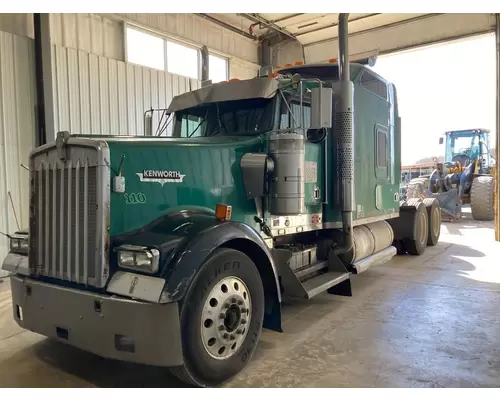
<point x="90" y="33"/>
<point x="99" y="95"/>
<point x="242" y="70"/>
<point x="18" y="24"/>
<point x="17" y="130"/>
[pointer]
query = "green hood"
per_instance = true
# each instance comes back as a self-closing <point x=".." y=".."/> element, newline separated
<point x="166" y="174"/>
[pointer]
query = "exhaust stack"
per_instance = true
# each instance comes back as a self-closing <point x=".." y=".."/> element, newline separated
<point x="344" y="132"/>
<point x="205" y="81"/>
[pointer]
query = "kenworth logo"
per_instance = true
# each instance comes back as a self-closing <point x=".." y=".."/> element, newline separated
<point x="161" y="177"/>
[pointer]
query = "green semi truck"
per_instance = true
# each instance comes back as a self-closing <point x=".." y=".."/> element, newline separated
<point x="176" y="251"/>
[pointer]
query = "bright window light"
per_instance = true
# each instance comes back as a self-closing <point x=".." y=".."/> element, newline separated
<point x="144" y="49"/>
<point x="182" y="60"/>
<point x="217" y="69"/>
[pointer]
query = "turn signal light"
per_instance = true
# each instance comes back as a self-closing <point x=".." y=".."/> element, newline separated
<point x="299" y="63"/>
<point x="233" y="80"/>
<point x="222" y="212"/>
<point x="288" y="65"/>
<point x="332" y="60"/>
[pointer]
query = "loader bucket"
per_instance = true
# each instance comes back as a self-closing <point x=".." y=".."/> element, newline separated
<point x="451" y="208"/>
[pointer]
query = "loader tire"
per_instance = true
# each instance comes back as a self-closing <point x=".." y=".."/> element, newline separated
<point x="434" y="220"/>
<point x="416" y="188"/>
<point x="481" y="198"/>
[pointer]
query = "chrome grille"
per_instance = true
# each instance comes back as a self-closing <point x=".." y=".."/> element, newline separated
<point x="67" y="235"/>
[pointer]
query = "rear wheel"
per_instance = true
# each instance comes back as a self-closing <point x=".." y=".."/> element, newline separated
<point x="434" y="220"/>
<point x="481" y="198"/>
<point x="418" y="242"/>
<point x="221" y="319"/>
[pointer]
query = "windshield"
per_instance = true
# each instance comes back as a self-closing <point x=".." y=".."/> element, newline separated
<point x="464" y="145"/>
<point x="231" y="118"/>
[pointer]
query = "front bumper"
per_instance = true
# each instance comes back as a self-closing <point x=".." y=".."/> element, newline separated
<point x="108" y="326"/>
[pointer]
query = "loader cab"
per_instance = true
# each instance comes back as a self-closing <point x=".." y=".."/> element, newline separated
<point x="467" y="146"/>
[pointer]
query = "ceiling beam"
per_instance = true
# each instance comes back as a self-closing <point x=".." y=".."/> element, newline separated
<point x="258" y="19"/>
<point x="227" y="26"/>
<point x="376" y="29"/>
<point x="335" y="24"/>
<point x="275" y="21"/>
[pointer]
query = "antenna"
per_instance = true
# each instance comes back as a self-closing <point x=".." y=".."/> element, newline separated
<point x="14" y="209"/>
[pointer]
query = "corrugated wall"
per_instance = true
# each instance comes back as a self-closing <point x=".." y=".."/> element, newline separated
<point x="17" y="130"/>
<point x="98" y="95"/>
<point x="91" y="33"/>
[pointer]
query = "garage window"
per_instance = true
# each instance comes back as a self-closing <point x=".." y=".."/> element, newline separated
<point x="217" y="68"/>
<point x="156" y="52"/>
<point x="145" y="49"/>
<point x="182" y="60"/>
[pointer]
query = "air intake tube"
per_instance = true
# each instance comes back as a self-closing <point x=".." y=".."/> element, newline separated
<point x="345" y="140"/>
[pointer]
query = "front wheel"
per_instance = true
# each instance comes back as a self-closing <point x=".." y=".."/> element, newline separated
<point x="221" y="319"/>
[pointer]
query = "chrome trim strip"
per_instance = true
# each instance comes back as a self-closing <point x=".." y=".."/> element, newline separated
<point x="85" y="220"/>
<point x="68" y="259"/>
<point x="39" y="211"/>
<point x="61" y="226"/>
<point x="77" y="222"/>
<point x="47" y="223"/>
<point x="53" y="266"/>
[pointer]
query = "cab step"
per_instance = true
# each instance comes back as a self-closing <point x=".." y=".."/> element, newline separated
<point x="323" y="282"/>
<point x="303" y="275"/>
<point x="310" y="269"/>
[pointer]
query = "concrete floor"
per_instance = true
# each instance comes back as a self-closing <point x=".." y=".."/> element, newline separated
<point x="429" y="321"/>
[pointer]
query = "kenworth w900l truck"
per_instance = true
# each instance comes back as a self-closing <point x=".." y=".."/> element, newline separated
<point x="177" y="251"/>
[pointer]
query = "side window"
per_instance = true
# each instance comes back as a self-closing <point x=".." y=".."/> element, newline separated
<point x="381" y="153"/>
<point x="381" y="148"/>
<point x="190" y="126"/>
<point x="371" y="83"/>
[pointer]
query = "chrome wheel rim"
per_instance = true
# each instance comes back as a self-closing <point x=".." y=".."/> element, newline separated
<point x="225" y="318"/>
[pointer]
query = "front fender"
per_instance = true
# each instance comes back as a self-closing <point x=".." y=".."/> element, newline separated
<point x="191" y="253"/>
<point x="186" y="238"/>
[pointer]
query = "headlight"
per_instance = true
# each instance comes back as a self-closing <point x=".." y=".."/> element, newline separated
<point x="138" y="257"/>
<point x="19" y="244"/>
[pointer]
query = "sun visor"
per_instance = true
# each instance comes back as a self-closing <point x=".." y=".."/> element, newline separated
<point x="225" y="91"/>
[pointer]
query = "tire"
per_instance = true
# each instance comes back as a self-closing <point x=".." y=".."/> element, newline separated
<point x="417" y="244"/>
<point x="416" y="188"/>
<point x="400" y="247"/>
<point x="481" y="198"/>
<point x="434" y="220"/>
<point x="243" y="304"/>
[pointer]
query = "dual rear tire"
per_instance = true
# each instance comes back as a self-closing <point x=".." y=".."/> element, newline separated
<point x="418" y="226"/>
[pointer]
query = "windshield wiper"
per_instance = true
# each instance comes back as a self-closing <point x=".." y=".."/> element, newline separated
<point x="203" y="120"/>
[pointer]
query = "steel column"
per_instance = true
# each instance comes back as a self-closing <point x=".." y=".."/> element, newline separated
<point x="44" y="88"/>
<point x="497" y="144"/>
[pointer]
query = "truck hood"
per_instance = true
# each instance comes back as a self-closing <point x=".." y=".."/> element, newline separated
<point x="162" y="174"/>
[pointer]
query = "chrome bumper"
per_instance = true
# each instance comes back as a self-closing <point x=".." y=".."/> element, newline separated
<point x="108" y="326"/>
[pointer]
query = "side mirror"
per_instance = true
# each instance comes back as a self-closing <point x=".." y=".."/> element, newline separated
<point x="321" y="108"/>
<point x="441" y="140"/>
